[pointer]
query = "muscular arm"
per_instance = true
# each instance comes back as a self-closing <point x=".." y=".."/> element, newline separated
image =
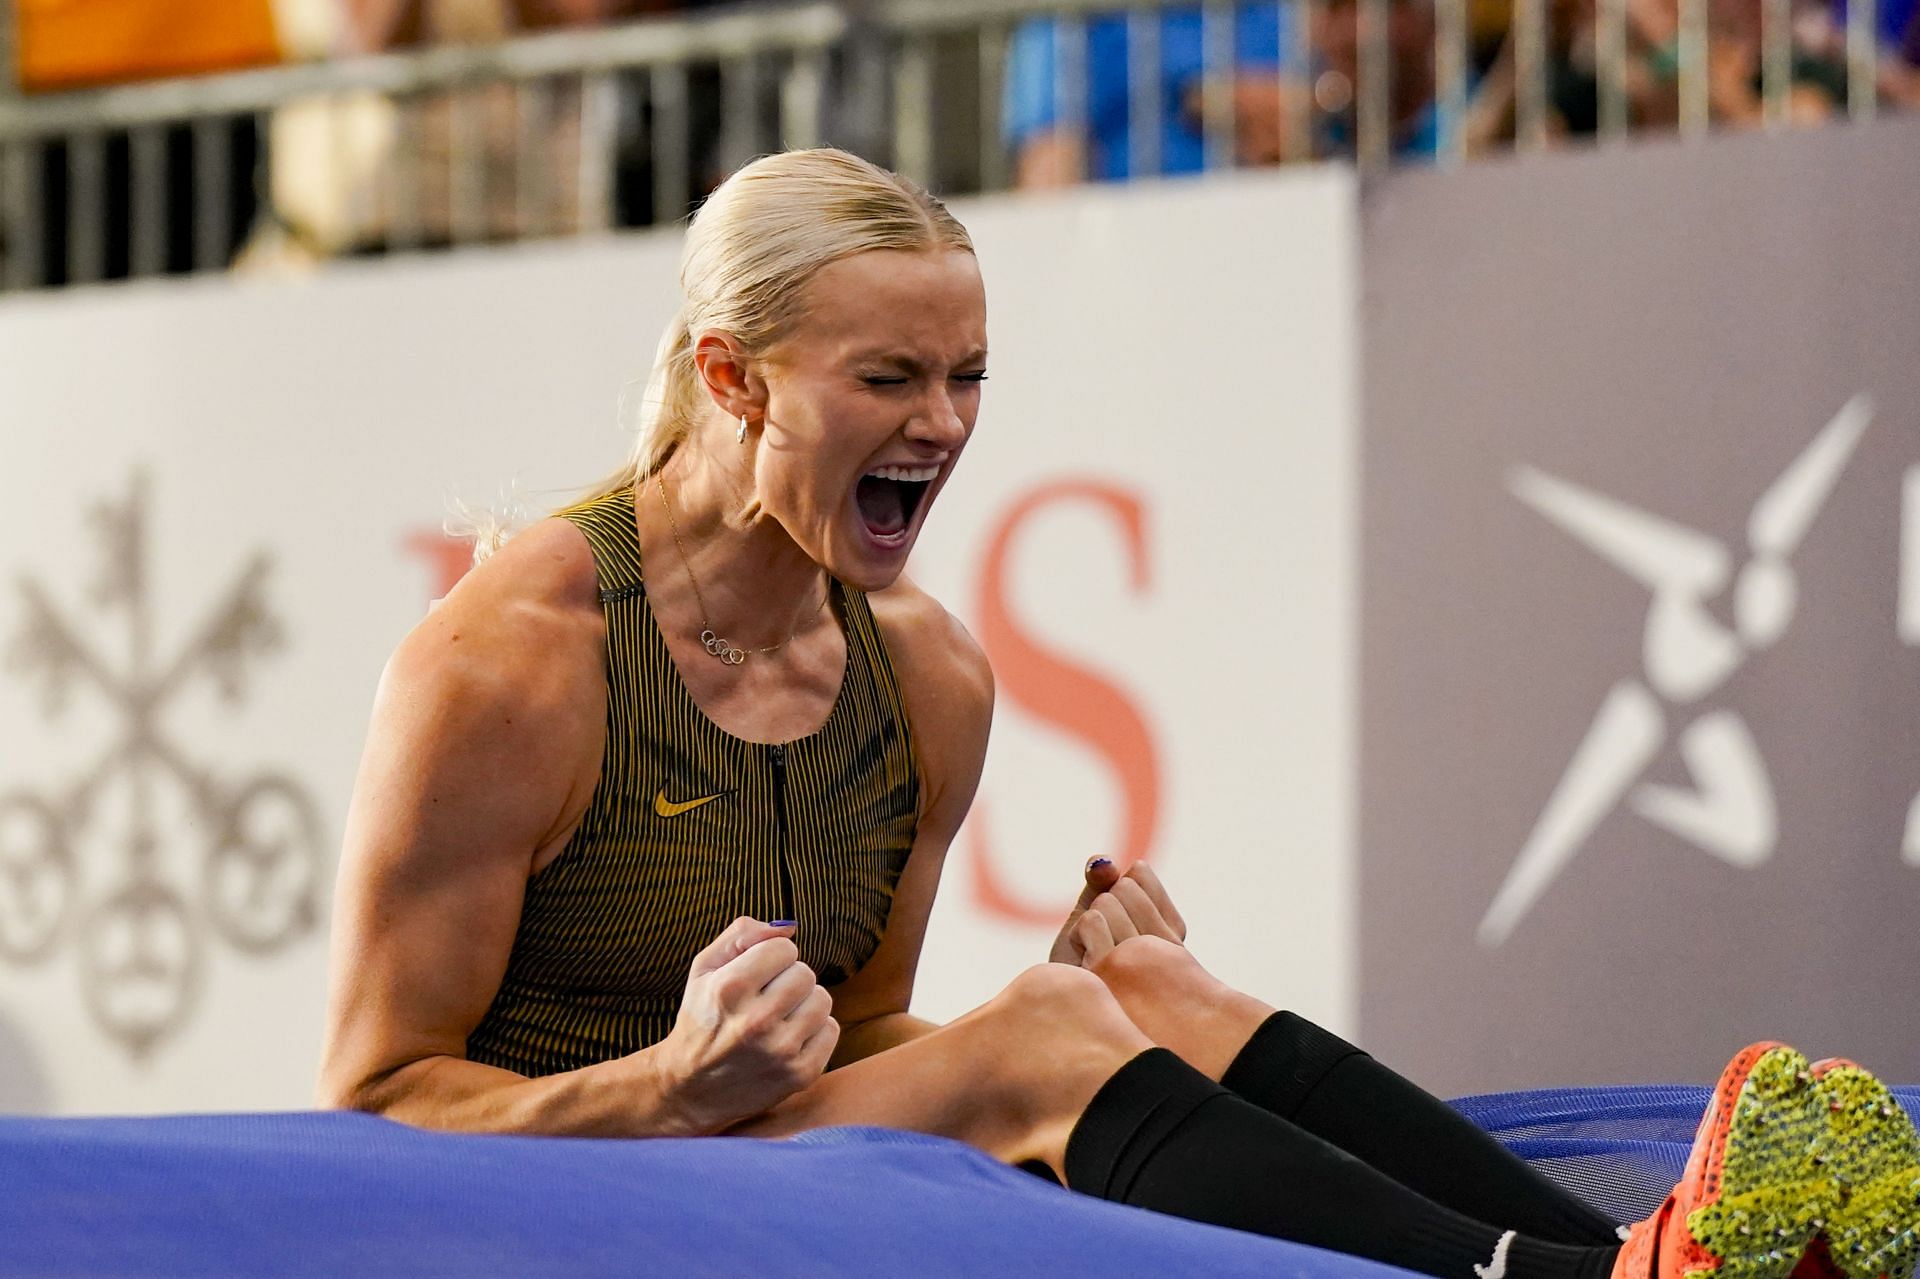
<point x="948" y="690"/>
<point x="485" y="741"/>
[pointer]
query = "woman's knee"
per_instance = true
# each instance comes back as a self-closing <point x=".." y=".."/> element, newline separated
<point x="1065" y="997"/>
<point x="1052" y="985"/>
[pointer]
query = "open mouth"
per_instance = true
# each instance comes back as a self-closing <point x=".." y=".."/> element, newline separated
<point x="888" y="497"/>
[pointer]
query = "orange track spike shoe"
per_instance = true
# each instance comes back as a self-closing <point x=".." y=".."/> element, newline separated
<point x="1753" y="1196"/>
<point x="1872" y="1155"/>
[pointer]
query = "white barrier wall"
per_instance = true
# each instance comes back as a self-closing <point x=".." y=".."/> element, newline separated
<point x="222" y="511"/>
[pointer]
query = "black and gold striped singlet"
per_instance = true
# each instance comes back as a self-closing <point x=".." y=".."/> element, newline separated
<point x="690" y="827"/>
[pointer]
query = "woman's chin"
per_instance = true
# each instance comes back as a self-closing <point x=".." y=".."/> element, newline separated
<point x="871" y="561"/>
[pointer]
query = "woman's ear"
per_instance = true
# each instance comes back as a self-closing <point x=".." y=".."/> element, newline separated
<point x="731" y="377"/>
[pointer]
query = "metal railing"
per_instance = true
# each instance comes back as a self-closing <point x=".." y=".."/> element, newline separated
<point x="576" y="132"/>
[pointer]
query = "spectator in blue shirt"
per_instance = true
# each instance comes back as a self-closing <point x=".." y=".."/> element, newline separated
<point x="1267" y="95"/>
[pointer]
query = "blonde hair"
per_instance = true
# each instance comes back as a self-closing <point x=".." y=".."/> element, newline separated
<point x="750" y="252"/>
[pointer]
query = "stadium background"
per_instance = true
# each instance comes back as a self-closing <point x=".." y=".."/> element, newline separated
<point x="1246" y="527"/>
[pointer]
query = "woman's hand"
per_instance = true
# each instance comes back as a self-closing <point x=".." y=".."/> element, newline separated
<point x="754" y="1028"/>
<point x="1114" y="907"/>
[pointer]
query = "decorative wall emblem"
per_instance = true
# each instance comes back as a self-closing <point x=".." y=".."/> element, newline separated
<point x="91" y="861"/>
<point x="1689" y="655"/>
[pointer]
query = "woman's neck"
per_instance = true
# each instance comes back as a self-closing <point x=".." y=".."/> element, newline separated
<point x="757" y="586"/>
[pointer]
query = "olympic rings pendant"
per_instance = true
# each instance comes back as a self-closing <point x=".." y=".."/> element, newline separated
<point x="721" y="649"/>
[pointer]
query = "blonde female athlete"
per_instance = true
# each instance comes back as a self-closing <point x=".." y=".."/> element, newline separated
<point x="652" y="811"/>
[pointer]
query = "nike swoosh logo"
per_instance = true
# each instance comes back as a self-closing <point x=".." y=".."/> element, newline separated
<point x="667" y="808"/>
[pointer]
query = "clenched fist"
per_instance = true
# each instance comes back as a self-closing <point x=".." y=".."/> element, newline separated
<point x="754" y="1028"/>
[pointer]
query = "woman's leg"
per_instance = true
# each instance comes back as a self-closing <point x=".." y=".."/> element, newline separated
<point x="1294" y="1069"/>
<point x="975" y="1079"/>
<point x="1054" y="1070"/>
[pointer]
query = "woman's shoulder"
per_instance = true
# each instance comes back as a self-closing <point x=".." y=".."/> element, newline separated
<point x="546" y="566"/>
<point x="930" y="646"/>
<point x="523" y="627"/>
<point x="947" y="687"/>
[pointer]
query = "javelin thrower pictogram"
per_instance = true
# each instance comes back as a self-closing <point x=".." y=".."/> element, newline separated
<point x="1688" y="655"/>
<point x="139" y="936"/>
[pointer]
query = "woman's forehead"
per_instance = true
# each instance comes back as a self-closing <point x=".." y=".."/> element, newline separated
<point x="890" y="302"/>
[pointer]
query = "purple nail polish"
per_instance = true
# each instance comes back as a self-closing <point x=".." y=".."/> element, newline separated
<point x="1099" y="861"/>
<point x="780" y="923"/>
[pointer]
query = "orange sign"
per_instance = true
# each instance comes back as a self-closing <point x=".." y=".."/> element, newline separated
<point x="1052" y="687"/>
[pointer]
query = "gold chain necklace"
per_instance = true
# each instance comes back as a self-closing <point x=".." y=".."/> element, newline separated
<point x="723" y="650"/>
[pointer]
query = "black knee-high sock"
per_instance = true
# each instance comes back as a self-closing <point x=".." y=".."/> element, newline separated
<point x="1161" y="1135"/>
<point x="1325" y="1085"/>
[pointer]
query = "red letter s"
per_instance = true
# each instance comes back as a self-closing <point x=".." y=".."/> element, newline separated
<point x="1072" y="698"/>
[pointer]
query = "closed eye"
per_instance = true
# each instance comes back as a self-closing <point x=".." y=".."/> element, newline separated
<point x="975" y="378"/>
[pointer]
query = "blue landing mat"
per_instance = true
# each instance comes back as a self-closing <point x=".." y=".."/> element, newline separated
<point x="350" y="1195"/>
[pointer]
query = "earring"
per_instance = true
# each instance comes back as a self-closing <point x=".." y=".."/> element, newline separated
<point x="740" y="436"/>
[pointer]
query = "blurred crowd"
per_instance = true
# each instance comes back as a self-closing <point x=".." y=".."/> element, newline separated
<point x="1277" y="93"/>
<point x="347" y="173"/>
<point x="328" y="178"/>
